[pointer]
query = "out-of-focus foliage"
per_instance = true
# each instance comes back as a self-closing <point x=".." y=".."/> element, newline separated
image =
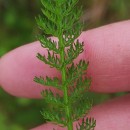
<point x="17" y="23"/>
<point x="18" y="27"/>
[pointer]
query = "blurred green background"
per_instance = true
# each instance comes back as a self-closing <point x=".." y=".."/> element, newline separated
<point x="18" y="27"/>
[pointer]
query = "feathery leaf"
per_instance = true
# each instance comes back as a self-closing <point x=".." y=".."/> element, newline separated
<point x="55" y="82"/>
<point x="87" y="124"/>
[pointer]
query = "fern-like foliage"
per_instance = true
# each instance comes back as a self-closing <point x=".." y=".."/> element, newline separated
<point x="87" y="124"/>
<point x="60" y="18"/>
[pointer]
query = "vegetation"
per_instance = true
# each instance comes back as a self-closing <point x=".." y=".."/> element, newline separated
<point x="16" y="30"/>
<point x="61" y="19"/>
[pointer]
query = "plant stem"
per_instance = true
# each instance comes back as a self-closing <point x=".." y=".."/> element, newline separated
<point x="65" y="87"/>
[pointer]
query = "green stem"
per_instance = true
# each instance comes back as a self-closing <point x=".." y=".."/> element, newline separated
<point x="65" y="87"/>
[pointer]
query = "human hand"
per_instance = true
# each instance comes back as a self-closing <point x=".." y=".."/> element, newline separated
<point x="107" y="50"/>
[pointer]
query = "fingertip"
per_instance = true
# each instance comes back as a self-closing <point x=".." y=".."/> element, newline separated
<point x="18" y="69"/>
<point x="107" y="49"/>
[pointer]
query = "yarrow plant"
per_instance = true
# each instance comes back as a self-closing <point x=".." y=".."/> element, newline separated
<point x="60" y="18"/>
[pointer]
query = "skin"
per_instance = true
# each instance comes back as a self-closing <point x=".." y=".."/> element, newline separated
<point x="108" y="51"/>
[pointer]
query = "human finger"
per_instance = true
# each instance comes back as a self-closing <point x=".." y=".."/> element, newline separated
<point x="107" y="49"/>
<point x="111" y="115"/>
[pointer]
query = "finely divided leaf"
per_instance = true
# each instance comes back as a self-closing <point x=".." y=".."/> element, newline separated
<point x="76" y="71"/>
<point x="55" y="82"/>
<point x="48" y="43"/>
<point x="51" y="59"/>
<point x="81" y="107"/>
<point x="73" y="52"/>
<point x="54" y="116"/>
<point x="51" y="98"/>
<point x="77" y="91"/>
<point x="61" y="18"/>
<point x="87" y="124"/>
<point x="48" y="26"/>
